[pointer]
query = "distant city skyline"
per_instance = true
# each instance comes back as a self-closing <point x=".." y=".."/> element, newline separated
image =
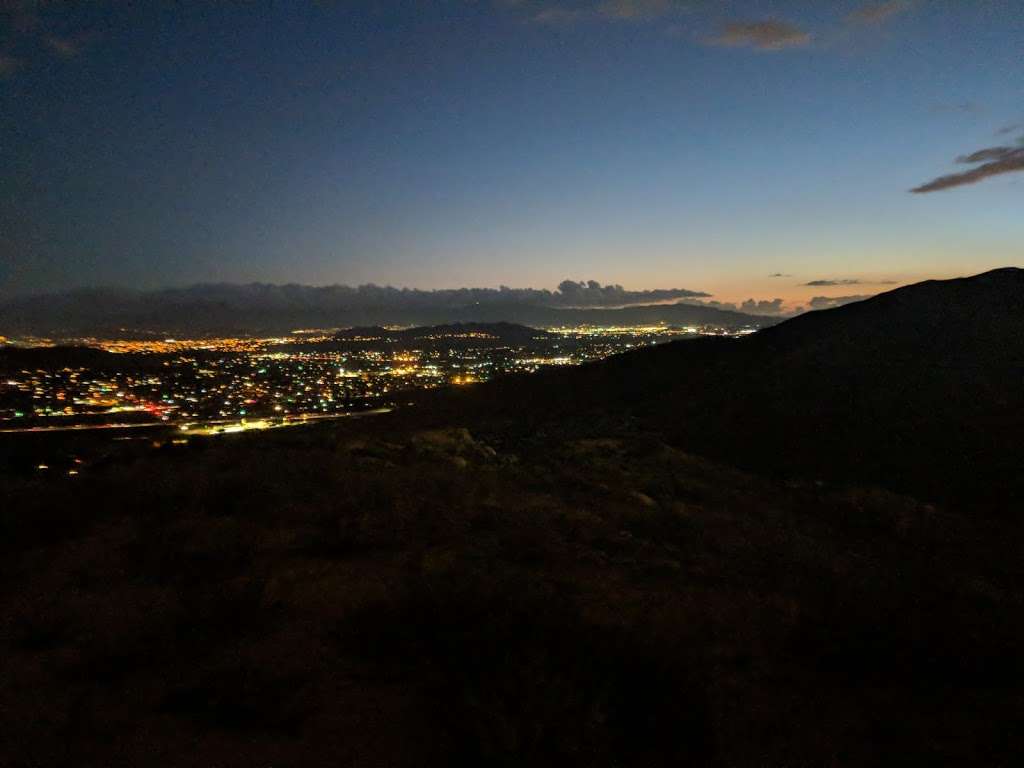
<point x="751" y="150"/>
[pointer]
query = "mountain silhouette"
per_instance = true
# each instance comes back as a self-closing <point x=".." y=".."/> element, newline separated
<point x="920" y="389"/>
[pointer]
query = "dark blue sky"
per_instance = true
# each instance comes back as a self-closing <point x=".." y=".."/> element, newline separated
<point x="650" y="143"/>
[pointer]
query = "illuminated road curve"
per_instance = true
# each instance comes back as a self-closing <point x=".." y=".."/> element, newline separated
<point x="214" y="428"/>
<point x="205" y="428"/>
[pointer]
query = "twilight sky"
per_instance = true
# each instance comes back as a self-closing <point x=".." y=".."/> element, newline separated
<point x="656" y="144"/>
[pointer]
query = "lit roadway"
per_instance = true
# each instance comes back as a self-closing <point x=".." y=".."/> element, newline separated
<point x="228" y="426"/>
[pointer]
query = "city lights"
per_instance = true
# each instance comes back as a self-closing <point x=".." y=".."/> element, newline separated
<point x="229" y="385"/>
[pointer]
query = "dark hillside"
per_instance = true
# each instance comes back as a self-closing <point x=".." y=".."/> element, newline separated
<point x="919" y="390"/>
<point x="967" y="322"/>
<point x="379" y="594"/>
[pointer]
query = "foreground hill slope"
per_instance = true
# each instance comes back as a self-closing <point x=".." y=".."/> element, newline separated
<point x="375" y="593"/>
<point x="920" y="389"/>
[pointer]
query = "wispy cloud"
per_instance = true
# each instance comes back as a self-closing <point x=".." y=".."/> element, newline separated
<point x="21" y="15"/>
<point x="28" y="26"/>
<point x="557" y="16"/>
<point x="878" y="13"/>
<point x="988" y="155"/>
<point x="779" y="274"/>
<point x="9" y="66"/>
<point x="962" y="107"/>
<point x="994" y="161"/>
<point x="68" y="46"/>
<point x="634" y="9"/>
<point x="848" y="281"/>
<point x="563" y="14"/>
<point x="767" y="35"/>
<point x="824" y="283"/>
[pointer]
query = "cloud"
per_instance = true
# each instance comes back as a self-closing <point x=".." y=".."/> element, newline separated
<point x="260" y="305"/>
<point x="1008" y="129"/>
<point x="829" y="302"/>
<point x="67" y="47"/>
<point x="768" y="35"/>
<point x="32" y="21"/>
<point x="995" y="161"/>
<point x="762" y="307"/>
<point x="849" y="281"/>
<point x="779" y="274"/>
<point x="631" y="10"/>
<point x="750" y="306"/>
<point x="558" y="16"/>
<point x="614" y="10"/>
<point x="726" y="305"/>
<point x="963" y="107"/>
<point x="878" y="13"/>
<point x="21" y="15"/>
<point x="592" y="294"/>
<point x="987" y="155"/>
<point x="9" y="66"/>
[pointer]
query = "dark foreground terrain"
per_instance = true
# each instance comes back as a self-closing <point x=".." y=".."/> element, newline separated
<point x="496" y="577"/>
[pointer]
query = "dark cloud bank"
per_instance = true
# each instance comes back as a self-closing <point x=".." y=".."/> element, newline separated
<point x="261" y="307"/>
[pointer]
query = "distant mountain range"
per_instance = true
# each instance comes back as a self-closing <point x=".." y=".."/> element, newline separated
<point x="920" y="389"/>
<point x="258" y="308"/>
